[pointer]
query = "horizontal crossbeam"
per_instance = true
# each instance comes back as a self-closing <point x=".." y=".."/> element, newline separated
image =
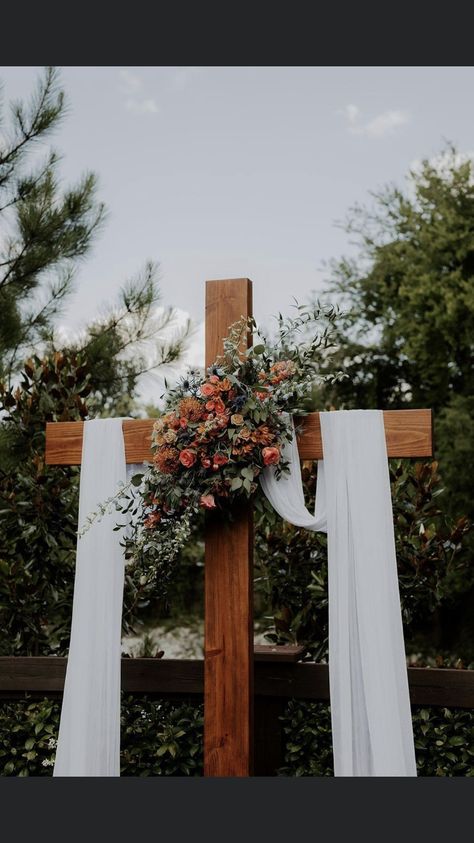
<point x="274" y="677"/>
<point x="408" y="434"/>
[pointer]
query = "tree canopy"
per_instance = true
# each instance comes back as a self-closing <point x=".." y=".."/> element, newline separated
<point x="407" y="339"/>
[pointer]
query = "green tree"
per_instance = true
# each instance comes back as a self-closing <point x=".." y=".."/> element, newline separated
<point x="44" y="229"/>
<point x="407" y="337"/>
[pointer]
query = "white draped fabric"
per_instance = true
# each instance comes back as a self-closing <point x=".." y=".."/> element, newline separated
<point x="89" y="734"/>
<point x="370" y="707"/>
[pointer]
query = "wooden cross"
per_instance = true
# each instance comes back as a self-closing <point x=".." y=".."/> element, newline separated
<point x="229" y="651"/>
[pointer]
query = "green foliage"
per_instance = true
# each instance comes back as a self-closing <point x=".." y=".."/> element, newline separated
<point x="39" y="510"/>
<point x="45" y="230"/>
<point x="291" y="565"/>
<point x="161" y="738"/>
<point x="38" y="506"/>
<point x="409" y="294"/>
<point x="28" y="736"/>
<point x="444" y="740"/>
<point x="158" y="738"/>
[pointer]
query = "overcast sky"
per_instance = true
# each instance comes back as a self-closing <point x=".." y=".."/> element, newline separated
<point x="241" y="171"/>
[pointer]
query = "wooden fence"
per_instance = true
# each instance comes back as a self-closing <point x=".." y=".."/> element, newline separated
<point x="278" y="676"/>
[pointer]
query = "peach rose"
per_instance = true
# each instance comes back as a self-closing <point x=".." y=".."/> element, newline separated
<point x="187" y="458"/>
<point x="222" y="420"/>
<point x="207" y="501"/>
<point x="207" y="389"/>
<point x="245" y="433"/>
<point x="214" y="379"/>
<point x="170" y="436"/>
<point x="237" y="419"/>
<point x="271" y="455"/>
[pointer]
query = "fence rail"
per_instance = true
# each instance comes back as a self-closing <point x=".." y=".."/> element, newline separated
<point x="274" y="677"/>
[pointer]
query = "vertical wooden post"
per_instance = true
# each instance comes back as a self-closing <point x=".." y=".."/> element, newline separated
<point x="228" y="650"/>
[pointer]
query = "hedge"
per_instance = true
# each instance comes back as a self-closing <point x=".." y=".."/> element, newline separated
<point x="162" y="738"/>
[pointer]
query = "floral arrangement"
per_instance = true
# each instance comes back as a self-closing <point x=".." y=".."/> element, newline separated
<point x="219" y="431"/>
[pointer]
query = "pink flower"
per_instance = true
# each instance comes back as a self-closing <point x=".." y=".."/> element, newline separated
<point x="207" y="501"/>
<point x="187" y="458"/>
<point x="271" y="455"/>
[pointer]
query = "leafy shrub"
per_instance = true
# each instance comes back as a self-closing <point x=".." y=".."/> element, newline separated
<point x="28" y="735"/>
<point x="161" y="738"/>
<point x="38" y="506"/>
<point x="444" y="740"/>
<point x="158" y="738"/>
<point x="291" y="564"/>
<point x="39" y="511"/>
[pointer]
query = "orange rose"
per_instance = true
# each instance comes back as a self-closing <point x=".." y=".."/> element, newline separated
<point x="207" y="389"/>
<point x="207" y="501"/>
<point x="216" y="404"/>
<point x="187" y="458"/>
<point x="271" y="455"/>
<point x="183" y="422"/>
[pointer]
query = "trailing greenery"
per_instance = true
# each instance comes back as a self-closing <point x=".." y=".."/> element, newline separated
<point x="158" y="738"/>
<point x="444" y="740"/>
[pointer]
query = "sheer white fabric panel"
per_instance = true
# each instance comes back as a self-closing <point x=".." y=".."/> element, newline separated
<point x="89" y="734"/>
<point x="370" y="706"/>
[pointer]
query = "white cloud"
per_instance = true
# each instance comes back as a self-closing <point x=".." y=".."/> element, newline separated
<point x="136" y="99"/>
<point x="379" y="126"/>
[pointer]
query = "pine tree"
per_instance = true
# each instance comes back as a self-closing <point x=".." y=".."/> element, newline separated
<point x="44" y="229"/>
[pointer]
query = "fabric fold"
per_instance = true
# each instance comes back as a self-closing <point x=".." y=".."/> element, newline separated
<point x="89" y="733"/>
<point x="370" y="705"/>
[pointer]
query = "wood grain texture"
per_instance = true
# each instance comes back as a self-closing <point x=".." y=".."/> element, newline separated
<point x="408" y="434"/>
<point x="44" y="675"/>
<point x="228" y="586"/>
